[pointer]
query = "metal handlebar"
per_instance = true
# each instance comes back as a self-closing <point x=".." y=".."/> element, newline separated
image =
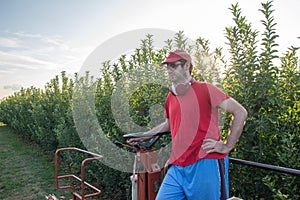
<point x="150" y="143"/>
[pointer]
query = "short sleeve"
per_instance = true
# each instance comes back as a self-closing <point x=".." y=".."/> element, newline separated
<point x="166" y="110"/>
<point x="216" y="95"/>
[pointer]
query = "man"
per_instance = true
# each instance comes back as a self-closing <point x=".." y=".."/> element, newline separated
<point x="199" y="159"/>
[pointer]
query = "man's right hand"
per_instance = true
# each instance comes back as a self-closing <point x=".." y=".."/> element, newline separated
<point x="134" y="141"/>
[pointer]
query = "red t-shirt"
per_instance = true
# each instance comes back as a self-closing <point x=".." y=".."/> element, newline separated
<point x="194" y="117"/>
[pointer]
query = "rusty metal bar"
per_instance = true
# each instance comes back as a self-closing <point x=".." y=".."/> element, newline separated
<point x="83" y="183"/>
<point x="294" y="172"/>
<point x="81" y="180"/>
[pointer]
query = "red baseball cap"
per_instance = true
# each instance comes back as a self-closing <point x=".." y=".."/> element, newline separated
<point x="177" y="55"/>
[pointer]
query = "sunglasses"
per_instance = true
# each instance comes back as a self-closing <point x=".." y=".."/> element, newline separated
<point x="175" y="65"/>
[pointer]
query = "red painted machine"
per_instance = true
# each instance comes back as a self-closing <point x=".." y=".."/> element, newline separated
<point x="149" y="167"/>
<point x="149" y="170"/>
<point x="83" y="184"/>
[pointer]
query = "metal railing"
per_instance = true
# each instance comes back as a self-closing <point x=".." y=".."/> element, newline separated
<point x="285" y="170"/>
<point x="81" y="180"/>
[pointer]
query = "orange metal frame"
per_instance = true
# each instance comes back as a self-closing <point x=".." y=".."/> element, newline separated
<point x="84" y="184"/>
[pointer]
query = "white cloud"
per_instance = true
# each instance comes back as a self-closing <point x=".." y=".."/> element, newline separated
<point x="13" y="87"/>
<point x="34" y="59"/>
<point x="16" y="61"/>
<point x="10" y="42"/>
<point x="37" y="51"/>
<point x="52" y="41"/>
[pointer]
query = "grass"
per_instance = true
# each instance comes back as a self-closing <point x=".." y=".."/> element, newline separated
<point x="25" y="171"/>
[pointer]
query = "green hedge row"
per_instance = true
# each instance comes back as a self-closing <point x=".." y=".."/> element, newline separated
<point x="269" y="90"/>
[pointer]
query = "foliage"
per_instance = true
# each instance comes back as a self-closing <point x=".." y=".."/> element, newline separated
<point x="267" y="85"/>
<point x="270" y="93"/>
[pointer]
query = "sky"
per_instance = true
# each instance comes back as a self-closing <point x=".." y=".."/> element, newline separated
<point x="41" y="38"/>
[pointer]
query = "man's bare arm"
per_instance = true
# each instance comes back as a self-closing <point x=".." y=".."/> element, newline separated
<point x="239" y="115"/>
<point x="163" y="127"/>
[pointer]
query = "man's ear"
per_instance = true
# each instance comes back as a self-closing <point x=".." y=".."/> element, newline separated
<point x="187" y="66"/>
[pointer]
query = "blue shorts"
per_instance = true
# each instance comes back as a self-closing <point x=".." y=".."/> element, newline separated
<point x="207" y="179"/>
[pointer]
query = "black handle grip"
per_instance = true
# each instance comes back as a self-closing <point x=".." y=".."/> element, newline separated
<point x="118" y="143"/>
<point x="150" y="143"/>
<point x="141" y="134"/>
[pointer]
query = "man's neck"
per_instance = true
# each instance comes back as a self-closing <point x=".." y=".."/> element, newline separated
<point x="183" y="81"/>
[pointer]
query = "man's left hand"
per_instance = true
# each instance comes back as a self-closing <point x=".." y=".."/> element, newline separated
<point x="214" y="146"/>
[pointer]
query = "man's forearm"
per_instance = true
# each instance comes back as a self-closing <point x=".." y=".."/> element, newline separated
<point x="163" y="127"/>
<point x="236" y="128"/>
<point x="238" y="121"/>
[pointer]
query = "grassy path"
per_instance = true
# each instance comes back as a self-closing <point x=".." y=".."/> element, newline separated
<point x="25" y="172"/>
